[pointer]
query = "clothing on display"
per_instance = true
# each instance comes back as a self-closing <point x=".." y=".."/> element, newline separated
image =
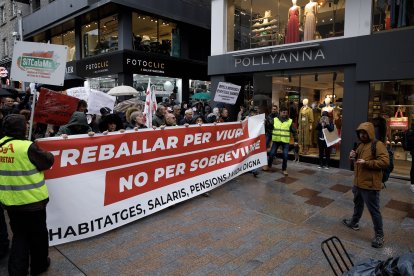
<point x="310" y="20"/>
<point x="292" y="32"/>
<point x="305" y="127"/>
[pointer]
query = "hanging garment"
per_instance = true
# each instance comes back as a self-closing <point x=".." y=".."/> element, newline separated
<point x="292" y="34"/>
<point x="310" y="21"/>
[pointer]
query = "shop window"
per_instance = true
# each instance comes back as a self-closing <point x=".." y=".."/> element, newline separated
<point x="100" y="36"/>
<point x="256" y="23"/>
<point x="103" y="84"/>
<point x="391" y="107"/>
<point x="68" y="39"/>
<point x="389" y="15"/>
<point x="320" y="91"/>
<point x="152" y="34"/>
<point x="200" y="91"/>
<point x="167" y="90"/>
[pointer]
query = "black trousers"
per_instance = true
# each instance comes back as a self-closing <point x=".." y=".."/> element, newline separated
<point x="4" y="237"/>
<point x="30" y="240"/>
<point x="324" y="153"/>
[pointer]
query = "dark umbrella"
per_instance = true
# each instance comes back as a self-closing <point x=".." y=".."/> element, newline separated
<point x="8" y="92"/>
<point x="70" y="82"/>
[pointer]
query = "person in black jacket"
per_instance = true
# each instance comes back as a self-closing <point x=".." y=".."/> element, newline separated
<point x="324" y="150"/>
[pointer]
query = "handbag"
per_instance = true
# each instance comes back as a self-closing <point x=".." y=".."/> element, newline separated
<point x="398" y="121"/>
<point x="331" y="137"/>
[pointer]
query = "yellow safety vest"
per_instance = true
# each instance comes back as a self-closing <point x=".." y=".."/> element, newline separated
<point x="281" y="131"/>
<point x="20" y="182"/>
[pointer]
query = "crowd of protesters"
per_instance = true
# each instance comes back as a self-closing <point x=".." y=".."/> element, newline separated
<point x="168" y="113"/>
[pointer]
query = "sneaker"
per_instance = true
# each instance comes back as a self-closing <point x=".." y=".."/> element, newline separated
<point x="326" y="168"/>
<point x="412" y="188"/>
<point x="265" y="168"/>
<point x="285" y="173"/>
<point x="255" y="173"/>
<point x="348" y="223"/>
<point x="378" y="241"/>
<point x="320" y="167"/>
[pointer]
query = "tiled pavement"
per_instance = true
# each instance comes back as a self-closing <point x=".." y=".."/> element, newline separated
<point x="269" y="225"/>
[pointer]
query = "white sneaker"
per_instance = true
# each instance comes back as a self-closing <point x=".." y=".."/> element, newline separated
<point x="412" y="188"/>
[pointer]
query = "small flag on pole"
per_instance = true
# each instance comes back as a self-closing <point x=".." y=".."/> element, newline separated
<point x="150" y="105"/>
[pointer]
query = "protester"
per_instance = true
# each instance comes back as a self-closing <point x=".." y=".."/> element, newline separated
<point x="254" y="112"/>
<point x="24" y="195"/>
<point x="199" y="120"/>
<point x="324" y="150"/>
<point x="224" y="116"/>
<point x="188" y="117"/>
<point x="211" y="118"/>
<point x="282" y="129"/>
<point x="269" y="124"/>
<point x="159" y="117"/>
<point x="128" y="124"/>
<point x="177" y="113"/>
<point x="78" y="124"/>
<point x="137" y="120"/>
<point x="82" y="106"/>
<point x="170" y="119"/>
<point x="368" y="181"/>
<point x="241" y="114"/>
<point x="111" y="123"/>
<point x="9" y="106"/>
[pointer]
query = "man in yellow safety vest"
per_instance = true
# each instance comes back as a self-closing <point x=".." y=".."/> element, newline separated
<point x="282" y="128"/>
<point x="23" y="193"/>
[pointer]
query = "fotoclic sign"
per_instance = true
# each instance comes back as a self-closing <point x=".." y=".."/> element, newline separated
<point x="39" y="63"/>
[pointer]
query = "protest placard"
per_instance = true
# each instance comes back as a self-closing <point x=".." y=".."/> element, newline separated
<point x="54" y="108"/>
<point x="227" y="93"/>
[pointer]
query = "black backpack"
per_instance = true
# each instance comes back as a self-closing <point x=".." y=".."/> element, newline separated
<point x="387" y="171"/>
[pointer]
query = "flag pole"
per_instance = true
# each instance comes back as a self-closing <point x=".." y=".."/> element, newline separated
<point x="32" y="91"/>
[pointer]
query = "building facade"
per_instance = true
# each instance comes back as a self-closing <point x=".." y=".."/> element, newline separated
<point x="349" y="57"/>
<point x="10" y="31"/>
<point x="113" y="43"/>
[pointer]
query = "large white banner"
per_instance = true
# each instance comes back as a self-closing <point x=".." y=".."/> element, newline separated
<point x="103" y="182"/>
<point x="39" y="62"/>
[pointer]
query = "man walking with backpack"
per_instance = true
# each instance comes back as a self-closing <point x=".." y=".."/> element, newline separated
<point x="368" y="180"/>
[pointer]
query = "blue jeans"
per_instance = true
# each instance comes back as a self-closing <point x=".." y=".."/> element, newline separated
<point x="371" y="199"/>
<point x="272" y="153"/>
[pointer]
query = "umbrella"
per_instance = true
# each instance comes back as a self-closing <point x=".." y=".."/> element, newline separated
<point x="70" y="82"/>
<point x="134" y="102"/>
<point x="8" y="92"/>
<point x="123" y="90"/>
<point x="201" y="96"/>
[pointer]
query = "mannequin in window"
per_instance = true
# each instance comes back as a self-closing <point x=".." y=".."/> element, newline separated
<point x="292" y="33"/>
<point x="311" y="9"/>
<point x="305" y="126"/>
<point x="327" y="106"/>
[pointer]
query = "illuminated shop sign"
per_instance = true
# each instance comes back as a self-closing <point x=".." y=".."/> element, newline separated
<point x="288" y="57"/>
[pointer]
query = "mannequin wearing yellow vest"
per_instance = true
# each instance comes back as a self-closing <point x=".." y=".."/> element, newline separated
<point x="282" y="129"/>
<point x="23" y="193"/>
